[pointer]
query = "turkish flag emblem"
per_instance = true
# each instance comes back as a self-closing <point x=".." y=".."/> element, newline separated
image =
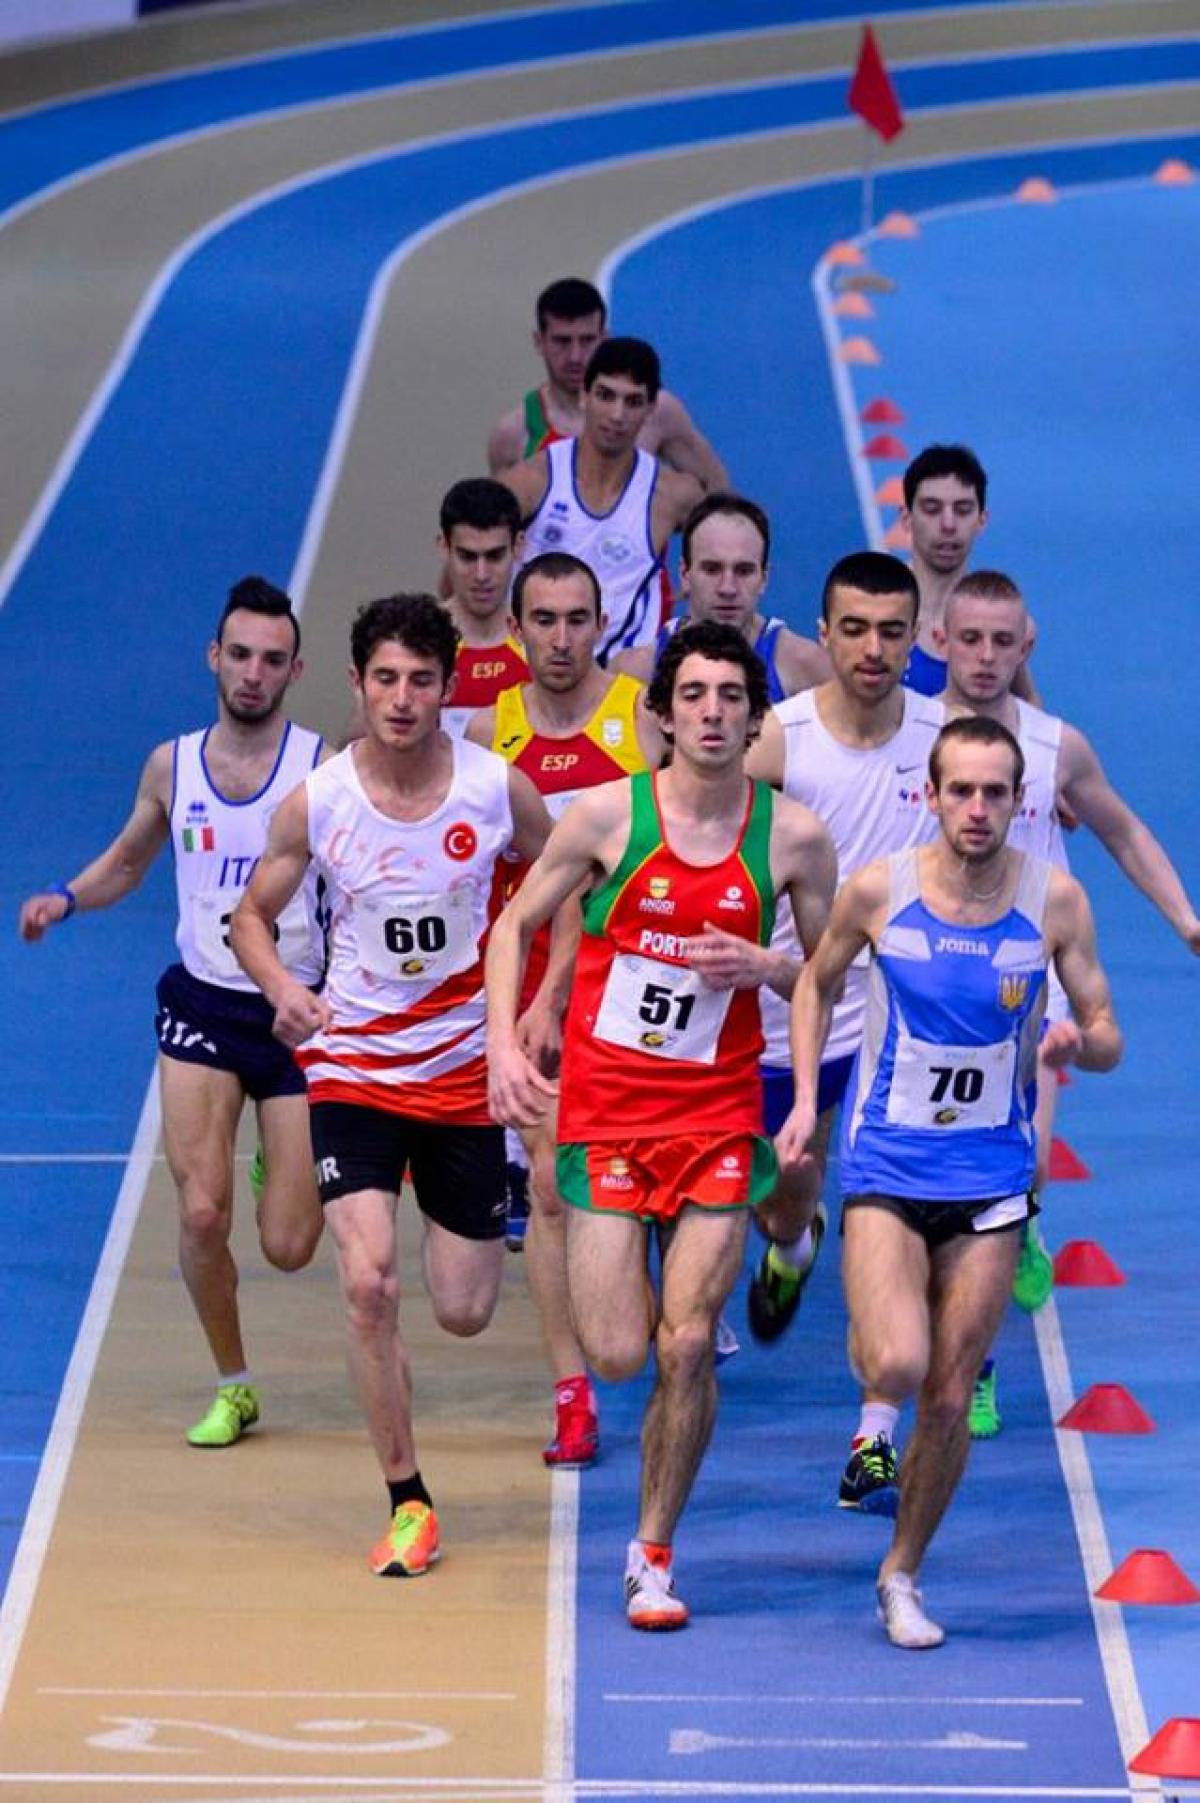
<point x="461" y="842"/>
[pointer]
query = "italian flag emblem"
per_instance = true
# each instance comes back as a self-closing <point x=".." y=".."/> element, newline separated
<point x="199" y="838"/>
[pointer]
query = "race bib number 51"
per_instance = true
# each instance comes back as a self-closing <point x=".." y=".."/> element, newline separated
<point x="661" y="1008"/>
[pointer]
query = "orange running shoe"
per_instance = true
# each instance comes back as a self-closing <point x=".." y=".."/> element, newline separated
<point x="410" y="1545"/>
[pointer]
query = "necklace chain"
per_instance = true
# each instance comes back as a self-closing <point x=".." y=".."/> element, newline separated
<point x="985" y="895"/>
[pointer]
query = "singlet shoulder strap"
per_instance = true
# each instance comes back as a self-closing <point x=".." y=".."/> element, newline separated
<point x="904" y="886"/>
<point x="536" y="423"/>
<point x="1032" y="884"/>
<point x="645" y="838"/>
<point x="756" y="855"/>
<point x="512" y="721"/>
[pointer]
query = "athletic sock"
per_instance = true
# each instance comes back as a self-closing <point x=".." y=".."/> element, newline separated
<point x="876" y="1418"/>
<point x="574" y="1390"/>
<point x="656" y="1553"/>
<point x="795" y="1254"/>
<point x="227" y="1379"/>
<point x="408" y="1489"/>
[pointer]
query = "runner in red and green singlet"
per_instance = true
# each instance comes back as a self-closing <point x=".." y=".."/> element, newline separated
<point x="663" y="1035"/>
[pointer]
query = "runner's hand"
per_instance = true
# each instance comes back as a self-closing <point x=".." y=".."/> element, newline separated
<point x="40" y="912"/>
<point x="725" y="961"/>
<point x="1061" y="1045"/>
<point x="299" y="1014"/>
<point x="518" y="1093"/>
<point x="791" y="1142"/>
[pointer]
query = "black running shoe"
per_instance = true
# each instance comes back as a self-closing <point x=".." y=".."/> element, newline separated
<point x="870" y="1481"/>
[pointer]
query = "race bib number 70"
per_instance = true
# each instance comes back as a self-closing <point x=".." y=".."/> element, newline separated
<point x="951" y="1087"/>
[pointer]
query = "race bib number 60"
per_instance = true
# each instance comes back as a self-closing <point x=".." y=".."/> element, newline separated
<point x="417" y="938"/>
<point x="662" y="1008"/>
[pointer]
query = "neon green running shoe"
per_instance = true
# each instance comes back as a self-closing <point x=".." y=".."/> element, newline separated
<point x="776" y="1287"/>
<point x="258" y="1173"/>
<point x="983" y="1418"/>
<point x="233" y="1409"/>
<point x="1033" y="1278"/>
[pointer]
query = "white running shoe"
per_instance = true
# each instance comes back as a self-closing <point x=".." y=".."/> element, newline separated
<point x="904" y="1617"/>
<point x="650" y="1599"/>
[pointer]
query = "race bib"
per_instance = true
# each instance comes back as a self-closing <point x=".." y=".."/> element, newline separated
<point x="951" y="1088"/>
<point x="214" y="911"/>
<point x="420" y="938"/>
<point x="662" y="1008"/>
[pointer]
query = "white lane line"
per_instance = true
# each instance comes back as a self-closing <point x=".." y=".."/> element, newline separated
<point x="1124" y="1695"/>
<point x="73" y="1158"/>
<point x="699" y="1740"/>
<point x="64" y="1429"/>
<point x="903" y="1701"/>
<point x="558" y="1741"/>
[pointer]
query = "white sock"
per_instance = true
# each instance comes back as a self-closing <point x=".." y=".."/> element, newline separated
<point x="226" y="1378"/>
<point x="795" y="1254"/>
<point x="876" y="1418"/>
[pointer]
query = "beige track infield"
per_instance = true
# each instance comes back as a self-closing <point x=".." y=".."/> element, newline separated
<point x="174" y="1573"/>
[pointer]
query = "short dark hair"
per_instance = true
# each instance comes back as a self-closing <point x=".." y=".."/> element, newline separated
<point x="417" y="621"/>
<point x="719" y="643"/>
<point x="570" y="298"/>
<point x="478" y="501"/>
<point x="872" y="573"/>
<point x="555" y="566"/>
<point x="987" y="585"/>
<point x="258" y="596"/>
<point x="631" y="357"/>
<point x="945" y="460"/>
<point x="975" y="729"/>
<point x="722" y="501"/>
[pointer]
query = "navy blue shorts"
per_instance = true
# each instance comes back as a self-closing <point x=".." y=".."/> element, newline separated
<point x="779" y="1092"/>
<point x="227" y="1030"/>
<point x="458" y="1173"/>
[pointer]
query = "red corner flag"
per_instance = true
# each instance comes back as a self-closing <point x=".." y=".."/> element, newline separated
<point x="872" y="95"/>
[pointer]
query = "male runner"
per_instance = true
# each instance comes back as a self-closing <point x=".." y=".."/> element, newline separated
<point x="479" y="540"/>
<point x="661" y="1106"/>
<point x="212" y="794"/>
<point x="937" y="1154"/>
<point x="572" y="726"/>
<point x="723" y="575"/>
<point x="987" y="635"/>
<point x="405" y="826"/>
<point x="945" y="510"/>
<point x="855" y="750"/>
<point x="571" y="321"/>
<point x="601" y="498"/>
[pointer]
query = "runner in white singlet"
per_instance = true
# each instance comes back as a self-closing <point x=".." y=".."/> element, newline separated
<point x="605" y="501"/>
<point x="406" y="826"/>
<point x="212" y="794"/>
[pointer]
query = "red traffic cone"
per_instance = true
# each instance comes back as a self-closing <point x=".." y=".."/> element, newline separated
<point x="1107" y="1409"/>
<point x="885" y="444"/>
<point x="1086" y="1265"/>
<point x="1148" y="1576"/>
<point x="1066" y="1166"/>
<point x="1174" y="1752"/>
<point x="882" y="412"/>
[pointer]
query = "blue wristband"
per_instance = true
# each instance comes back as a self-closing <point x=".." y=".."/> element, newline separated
<point x="68" y="895"/>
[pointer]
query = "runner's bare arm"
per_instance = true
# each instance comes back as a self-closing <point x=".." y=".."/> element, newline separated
<point x="1124" y="834"/>
<point x="855" y="912"/>
<point x="1091" y="1039"/>
<point x="682" y="445"/>
<point x="531" y="821"/>
<point x="518" y="1093"/>
<point x="481" y="727"/>
<point x="506" y="441"/>
<point x="801" y="662"/>
<point x="122" y="865"/>
<point x="637" y="662"/>
<point x="528" y="481"/>
<point x="277" y="876"/>
<point x="765" y="760"/>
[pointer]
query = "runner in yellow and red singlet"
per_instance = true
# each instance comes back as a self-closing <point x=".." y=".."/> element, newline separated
<point x="681" y="869"/>
<point x="570" y="727"/>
